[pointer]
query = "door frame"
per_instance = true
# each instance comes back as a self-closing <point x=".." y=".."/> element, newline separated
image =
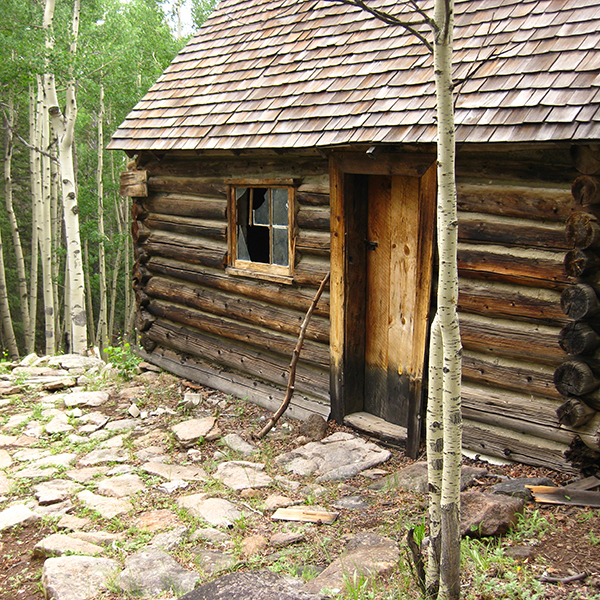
<point x="349" y="173"/>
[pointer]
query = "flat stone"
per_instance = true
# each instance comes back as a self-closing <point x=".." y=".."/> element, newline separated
<point x="93" y="421"/>
<point x="57" y="509"/>
<point x="274" y="501"/>
<point x="17" y="420"/>
<point x="121" y="486"/>
<point x="237" y="443"/>
<point x="107" y="507"/>
<point x="76" y="361"/>
<point x="7" y="440"/>
<point x="86" y="474"/>
<point x="351" y="503"/>
<point x="99" y="538"/>
<point x="57" y="490"/>
<point x="189" y="433"/>
<point x="30" y="454"/>
<point x="170" y="540"/>
<point x="211" y="562"/>
<point x="77" y="577"/>
<point x="173" y="472"/>
<point x="18" y="514"/>
<point x="483" y="514"/>
<point x="367" y="554"/>
<point x="241" y="475"/>
<point x="4" y="484"/>
<point x="59" y="383"/>
<point x="152" y="454"/>
<point x="59" y="544"/>
<point x="215" y="511"/>
<point x="131" y="393"/>
<point x="209" y="534"/>
<point x="58" y="425"/>
<point x="92" y="399"/>
<point x="103" y="455"/>
<point x="116" y="441"/>
<point x="516" y="487"/>
<point x="337" y="457"/>
<point x="121" y="424"/>
<point x="5" y="459"/>
<point x="72" y="523"/>
<point x="34" y="473"/>
<point x="261" y="585"/>
<point x="64" y="459"/>
<point x="170" y="486"/>
<point x="286" y="538"/>
<point x="152" y="571"/>
<point x="155" y="520"/>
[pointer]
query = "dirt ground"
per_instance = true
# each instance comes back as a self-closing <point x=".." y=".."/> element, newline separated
<point x="564" y="541"/>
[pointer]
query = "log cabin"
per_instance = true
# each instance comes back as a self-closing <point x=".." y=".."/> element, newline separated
<point x="293" y="138"/>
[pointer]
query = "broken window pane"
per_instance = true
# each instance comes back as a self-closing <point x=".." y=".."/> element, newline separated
<point x="280" y="246"/>
<point x="280" y="206"/>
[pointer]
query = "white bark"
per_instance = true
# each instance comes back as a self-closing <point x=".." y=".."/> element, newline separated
<point x="63" y="126"/>
<point x="36" y="178"/>
<point x="102" y="332"/>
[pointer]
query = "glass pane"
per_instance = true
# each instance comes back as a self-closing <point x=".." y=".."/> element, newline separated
<point x="242" y="244"/>
<point x="280" y="246"/>
<point x="280" y="206"/>
<point x="260" y="204"/>
<point x="239" y="192"/>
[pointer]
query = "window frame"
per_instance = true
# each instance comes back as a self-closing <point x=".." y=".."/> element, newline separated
<point x="271" y="271"/>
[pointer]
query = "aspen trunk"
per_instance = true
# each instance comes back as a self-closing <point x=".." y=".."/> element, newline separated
<point x="102" y="331"/>
<point x="35" y="166"/>
<point x="446" y="350"/>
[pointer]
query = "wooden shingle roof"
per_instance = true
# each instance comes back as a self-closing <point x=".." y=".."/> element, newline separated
<point x="306" y="73"/>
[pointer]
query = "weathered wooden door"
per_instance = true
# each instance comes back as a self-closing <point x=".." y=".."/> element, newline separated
<point x="382" y="243"/>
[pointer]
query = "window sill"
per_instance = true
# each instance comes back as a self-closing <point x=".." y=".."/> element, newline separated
<point x="272" y="277"/>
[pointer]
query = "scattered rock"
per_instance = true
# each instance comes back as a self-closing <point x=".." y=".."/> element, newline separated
<point x="77" y="577"/>
<point x="215" y="511"/>
<point x="5" y="459"/>
<point x="107" y="507"/>
<point x="274" y="501"/>
<point x="103" y="455"/>
<point x="152" y="571"/>
<point x="516" y="487"/>
<point x="155" y="520"/>
<point x="483" y="514"/>
<point x="174" y="472"/>
<point x="100" y="538"/>
<point x="238" y="444"/>
<point x="240" y="475"/>
<point x="211" y="562"/>
<point x="120" y="486"/>
<point x="170" y="540"/>
<point x="367" y="554"/>
<point x="286" y="538"/>
<point x="85" y="398"/>
<point x="208" y="534"/>
<point x="191" y="432"/>
<point x="86" y="474"/>
<point x="314" y="428"/>
<point x="72" y="523"/>
<point x="59" y="544"/>
<point x="18" y="514"/>
<point x="51" y="492"/>
<point x="351" y="503"/>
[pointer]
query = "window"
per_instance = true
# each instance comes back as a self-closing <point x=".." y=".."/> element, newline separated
<point x="261" y="229"/>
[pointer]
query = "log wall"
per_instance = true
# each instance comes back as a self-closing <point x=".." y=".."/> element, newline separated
<point x="229" y="331"/>
<point x="512" y="246"/>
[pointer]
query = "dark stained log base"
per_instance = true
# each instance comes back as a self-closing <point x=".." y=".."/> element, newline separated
<point x="574" y="413"/>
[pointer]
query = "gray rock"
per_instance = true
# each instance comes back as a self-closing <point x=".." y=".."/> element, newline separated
<point x="190" y="432"/>
<point x="337" y="457"/>
<point x="275" y="501"/>
<point x="211" y="562"/>
<point x="18" y="514"/>
<point x="351" y="503"/>
<point x="215" y="511"/>
<point x="488" y="514"/>
<point x="170" y="486"/>
<point x="30" y="454"/>
<point x="516" y="487"/>
<point x="238" y="444"/>
<point x="174" y="472"/>
<point x="99" y="538"/>
<point x="120" y="486"/>
<point x="261" y="585"/>
<point x="92" y="399"/>
<point x="367" y="554"/>
<point x="4" y="484"/>
<point x="35" y="473"/>
<point x="107" y="507"/>
<point x="286" y="538"/>
<point x="314" y="428"/>
<point x="152" y="571"/>
<point x="241" y="475"/>
<point x="5" y="459"/>
<point x="71" y="523"/>
<point x="103" y="455"/>
<point x="86" y="474"/>
<point x="59" y="544"/>
<point x="208" y="534"/>
<point x="169" y="540"/>
<point x="77" y="577"/>
<point x="121" y="424"/>
<point x="51" y="492"/>
<point x="58" y="509"/>
<point x="76" y="361"/>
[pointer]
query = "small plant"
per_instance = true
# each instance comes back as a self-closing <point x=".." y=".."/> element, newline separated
<point x="123" y="359"/>
<point x="357" y="586"/>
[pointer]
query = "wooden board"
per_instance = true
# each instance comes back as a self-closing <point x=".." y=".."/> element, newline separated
<point x="552" y="495"/>
<point x="377" y="427"/>
<point x="305" y="515"/>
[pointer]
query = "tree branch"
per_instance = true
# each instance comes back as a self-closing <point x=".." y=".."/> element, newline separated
<point x="25" y="142"/>
<point x="410" y="26"/>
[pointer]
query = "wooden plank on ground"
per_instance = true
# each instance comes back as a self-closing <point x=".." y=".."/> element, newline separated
<point x="305" y="515"/>
<point x="552" y="495"/>
<point x="376" y="426"/>
<point x="587" y="484"/>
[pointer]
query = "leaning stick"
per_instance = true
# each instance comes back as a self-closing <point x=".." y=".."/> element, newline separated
<point x="294" y="362"/>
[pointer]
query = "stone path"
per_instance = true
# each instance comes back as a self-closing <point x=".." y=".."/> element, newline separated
<point x="153" y="499"/>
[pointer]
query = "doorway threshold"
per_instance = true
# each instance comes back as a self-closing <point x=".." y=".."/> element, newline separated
<point x="377" y="427"/>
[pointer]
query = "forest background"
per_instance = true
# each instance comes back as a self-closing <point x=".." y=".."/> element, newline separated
<point x="100" y="56"/>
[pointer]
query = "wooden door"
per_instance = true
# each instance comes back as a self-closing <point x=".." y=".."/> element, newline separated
<point x="397" y="297"/>
<point x="383" y="223"/>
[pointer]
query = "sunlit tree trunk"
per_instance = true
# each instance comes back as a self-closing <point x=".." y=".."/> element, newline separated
<point x="444" y="424"/>
<point x="63" y="126"/>
<point x="36" y="178"/>
<point x="102" y="332"/>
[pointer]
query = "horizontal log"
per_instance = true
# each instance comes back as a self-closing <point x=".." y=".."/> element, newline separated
<point x="586" y="158"/>
<point x="524" y="448"/>
<point x="510" y="301"/>
<point x="216" y="230"/>
<point x="527" y="202"/>
<point x="578" y="338"/>
<point x="579" y="263"/>
<point x="143" y="320"/>
<point x="580" y="301"/>
<point x="505" y="374"/>
<point x="314" y="217"/>
<point x="498" y="229"/>
<point x="586" y="190"/>
<point x="263" y="365"/>
<point x="292" y="296"/>
<point x="530" y="264"/>
<point x="535" y="343"/>
<point x="411" y="165"/>
<point x="203" y="187"/>
<point x="590" y="433"/>
<point x="235" y="384"/>
<point x="186" y="206"/>
<point x="310" y="270"/>
<point x="582" y="231"/>
<point x="313" y="242"/>
<point x="221" y="303"/>
<point x="574" y="412"/>
<point x="186" y="248"/>
<point x="138" y="211"/>
<point x="228" y="329"/>
<point x="306" y="198"/>
<point x="134" y="183"/>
